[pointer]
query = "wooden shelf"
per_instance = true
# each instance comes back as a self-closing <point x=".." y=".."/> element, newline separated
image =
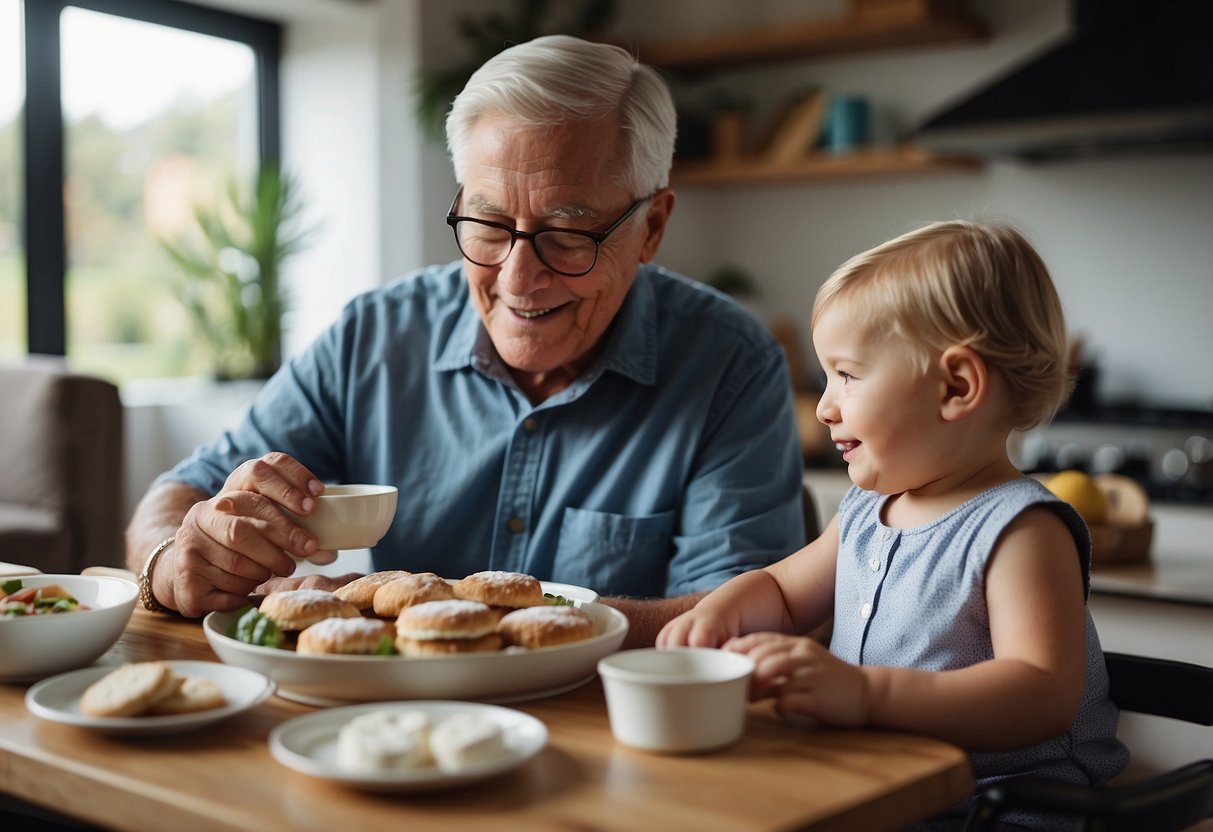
<point x="820" y="166"/>
<point x="868" y="25"/>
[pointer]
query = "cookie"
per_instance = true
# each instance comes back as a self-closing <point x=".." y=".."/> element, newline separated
<point x="130" y="690"/>
<point x="196" y="693"/>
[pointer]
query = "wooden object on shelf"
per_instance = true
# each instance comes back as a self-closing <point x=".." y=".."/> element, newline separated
<point x="822" y="166"/>
<point x="728" y="135"/>
<point x="868" y="25"/>
<point x="796" y="128"/>
<point x="1121" y="544"/>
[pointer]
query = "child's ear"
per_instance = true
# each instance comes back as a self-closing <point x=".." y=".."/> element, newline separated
<point x="966" y="382"/>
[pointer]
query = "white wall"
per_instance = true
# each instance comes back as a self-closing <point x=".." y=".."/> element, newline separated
<point x="1128" y="240"/>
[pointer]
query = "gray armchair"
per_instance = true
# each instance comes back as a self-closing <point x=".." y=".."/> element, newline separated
<point x="61" y="475"/>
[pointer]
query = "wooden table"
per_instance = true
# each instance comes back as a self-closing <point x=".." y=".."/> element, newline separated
<point x="223" y="777"/>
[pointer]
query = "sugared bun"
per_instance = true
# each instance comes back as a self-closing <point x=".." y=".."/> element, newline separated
<point x="545" y="626"/>
<point x="298" y="609"/>
<point x="345" y="635"/>
<point x="501" y="589"/>
<point x="452" y="619"/>
<point x="447" y="646"/>
<point x="408" y="591"/>
<point x="361" y="591"/>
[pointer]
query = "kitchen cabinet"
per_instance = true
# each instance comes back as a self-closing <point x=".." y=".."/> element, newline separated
<point x="867" y="25"/>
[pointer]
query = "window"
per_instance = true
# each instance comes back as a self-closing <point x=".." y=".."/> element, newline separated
<point x="148" y="108"/>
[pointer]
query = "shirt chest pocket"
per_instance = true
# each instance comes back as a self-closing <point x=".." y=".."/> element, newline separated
<point x="614" y="554"/>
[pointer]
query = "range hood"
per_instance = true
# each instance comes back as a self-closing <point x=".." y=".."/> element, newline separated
<point x="1135" y="76"/>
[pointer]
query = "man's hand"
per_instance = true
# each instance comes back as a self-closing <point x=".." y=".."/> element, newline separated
<point x="234" y="542"/>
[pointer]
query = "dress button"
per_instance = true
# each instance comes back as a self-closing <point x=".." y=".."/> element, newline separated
<point x="865" y="612"/>
<point x="516" y="524"/>
<point x="530" y="424"/>
<point x="874" y="563"/>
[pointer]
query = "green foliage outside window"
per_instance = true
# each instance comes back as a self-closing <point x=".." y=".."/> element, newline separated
<point x="230" y="272"/>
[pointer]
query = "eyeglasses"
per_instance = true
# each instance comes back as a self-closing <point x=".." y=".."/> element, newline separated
<point x="566" y="251"/>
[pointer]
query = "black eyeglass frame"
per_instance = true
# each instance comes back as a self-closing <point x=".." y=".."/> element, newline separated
<point x="599" y="237"/>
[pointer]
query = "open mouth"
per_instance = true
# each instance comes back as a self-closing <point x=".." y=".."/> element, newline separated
<point x="847" y="447"/>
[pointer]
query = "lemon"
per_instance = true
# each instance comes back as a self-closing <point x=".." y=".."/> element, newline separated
<point x="1080" y="491"/>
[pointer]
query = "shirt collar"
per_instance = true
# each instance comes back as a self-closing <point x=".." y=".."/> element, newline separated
<point x="631" y="348"/>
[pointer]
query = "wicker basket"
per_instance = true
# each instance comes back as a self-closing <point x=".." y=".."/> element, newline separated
<point x="1121" y="544"/>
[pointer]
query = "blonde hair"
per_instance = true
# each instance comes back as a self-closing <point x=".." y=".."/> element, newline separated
<point x="975" y="284"/>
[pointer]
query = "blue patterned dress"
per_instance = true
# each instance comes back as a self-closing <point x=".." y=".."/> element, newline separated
<point x="916" y="598"/>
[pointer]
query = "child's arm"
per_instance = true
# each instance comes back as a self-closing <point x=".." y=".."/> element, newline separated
<point x="1027" y="693"/>
<point x="792" y="596"/>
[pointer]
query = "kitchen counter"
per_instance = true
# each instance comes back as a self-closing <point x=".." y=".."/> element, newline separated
<point x="1180" y="568"/>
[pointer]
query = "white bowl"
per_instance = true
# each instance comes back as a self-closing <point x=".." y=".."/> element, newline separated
<point x="37" y="646"/>
<point x="351" y="516"/>
<point x="676" y="699"/>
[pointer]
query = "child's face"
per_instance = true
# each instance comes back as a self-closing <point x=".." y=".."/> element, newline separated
<point x="882" y="410"/>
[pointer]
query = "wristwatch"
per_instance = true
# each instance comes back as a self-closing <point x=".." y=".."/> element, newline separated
<point x="145" y="577"/>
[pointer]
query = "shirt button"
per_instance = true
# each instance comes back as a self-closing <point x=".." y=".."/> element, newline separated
<point x="888" y="534"/>
<point x="530" y="424"/>
<point x="865" y="612"/>
<point x="875" y="564"/>
<point x="516" y="524"/>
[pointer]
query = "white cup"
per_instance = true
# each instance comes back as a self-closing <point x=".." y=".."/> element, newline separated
<point x="676" y="699"/>
<point x="351" y="516"/>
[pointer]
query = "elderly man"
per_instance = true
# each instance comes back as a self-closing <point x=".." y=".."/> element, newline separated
<point x="552" y="404"/>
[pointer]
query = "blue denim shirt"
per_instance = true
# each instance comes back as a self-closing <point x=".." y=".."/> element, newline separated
<point x="669" y="466"/>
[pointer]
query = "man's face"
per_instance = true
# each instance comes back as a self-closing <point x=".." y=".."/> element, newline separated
<point x="547" y="326"/>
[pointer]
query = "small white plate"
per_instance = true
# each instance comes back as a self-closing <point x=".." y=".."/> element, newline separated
<point x="57" y="699"/>
<point x="308" y="744"/>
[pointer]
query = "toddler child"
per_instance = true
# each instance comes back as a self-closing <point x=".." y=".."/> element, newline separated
<point x="957" y="585"/>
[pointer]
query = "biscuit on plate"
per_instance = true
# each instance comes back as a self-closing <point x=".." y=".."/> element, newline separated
<point x="197" y="693"/>
<point x="361" y="591"/>
<point x="438" y="628"/>
<point x="447" y="646"/>
<point x="344" y="635"/>
<point x="545" y="626"/>
<point x="298" y="609"/>
<point x="501" y="589"/>
<point x="130" y="690"/>
<point x="408" y="591"/>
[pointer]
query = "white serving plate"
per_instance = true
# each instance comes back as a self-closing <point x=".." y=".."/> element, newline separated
<point x="508" y="676"/>
<point x="308" y="744"/>
<point x="57" y="699"/>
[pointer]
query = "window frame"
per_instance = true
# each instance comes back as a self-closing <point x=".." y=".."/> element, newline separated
<point x="44" y="220"/>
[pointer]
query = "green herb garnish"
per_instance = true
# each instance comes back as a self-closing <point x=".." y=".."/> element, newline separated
<point x="11" y="586"/>
<point x="254" y="628"/>
<point x="557" y="600"/>
<point x="387" y="647"/>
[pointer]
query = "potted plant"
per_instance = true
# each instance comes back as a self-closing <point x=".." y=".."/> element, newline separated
<point x="230" y="272"/>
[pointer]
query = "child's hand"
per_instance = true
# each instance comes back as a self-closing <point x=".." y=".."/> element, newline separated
<point x="696" y="628"/>
<point x="805" y="679"/>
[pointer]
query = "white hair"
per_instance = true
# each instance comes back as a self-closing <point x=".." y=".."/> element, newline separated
<point x="557" y="78"/>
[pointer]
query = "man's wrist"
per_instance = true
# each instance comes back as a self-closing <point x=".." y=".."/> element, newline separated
<point x="146" y="594"/>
